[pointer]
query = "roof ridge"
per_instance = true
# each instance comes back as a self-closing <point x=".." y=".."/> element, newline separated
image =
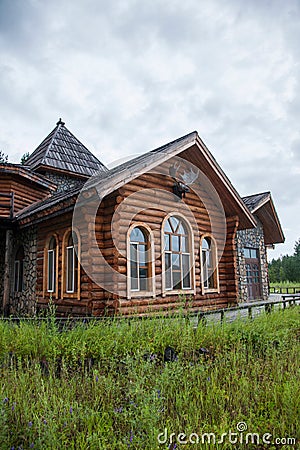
<point x="55" y="130"/>
<point x="256" y="195"/>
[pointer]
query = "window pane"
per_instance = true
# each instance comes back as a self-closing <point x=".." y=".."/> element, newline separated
<point x="143" y="279"/>
<point x="175" y="262"/>
<point x="134" y="253"/>
<point x="168" y="271"/>
<point x="70" y="269"/>
<point x="174" y="222"/>
<point x="176" y="279"/>
<point x="175" y="243"/>
<point x="204" y="268"/>
<point x="247" y="252"/>
<point x="142" y="254"/>
<point x="167" y="242"/>
<point x="168" y="226"/>
<point x="205" y="244"/>
<point x="134" y="267"/>
<point x="186" y="283"/>
<point x="137" y="235"/>
<point x="181" y="229"/>
<point x="51" y="278"/>
<point x="52" y="244"/>
<point x="253" y="253"/>
<point x="184" y="244"/>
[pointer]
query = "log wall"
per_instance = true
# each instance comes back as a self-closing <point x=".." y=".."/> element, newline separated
<point x="104" y="290"/>
<point x="25" y="193"/>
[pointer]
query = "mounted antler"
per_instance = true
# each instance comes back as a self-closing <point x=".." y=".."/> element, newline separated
<point x="189" y="177"/>
<point x="174" y="169"/>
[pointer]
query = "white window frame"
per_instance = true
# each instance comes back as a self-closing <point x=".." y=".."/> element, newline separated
<point x="151" y="292"/>
<point x="192" y="289"/>
<point x="72" y="290"/>
<point x="51" y="252"/>
<point x="214" y="254"/>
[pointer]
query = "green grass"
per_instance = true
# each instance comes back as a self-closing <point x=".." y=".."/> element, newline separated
<point x="92" y="387"/>
<point x="286" y="284"/>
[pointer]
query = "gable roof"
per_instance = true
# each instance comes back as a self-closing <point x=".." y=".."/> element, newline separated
<point x="109" y="181"/>
<point x="124" y="173"/>
<point x="62" y="151"/>
<point x="253" y="202"/>
<point x="262" y="206"/>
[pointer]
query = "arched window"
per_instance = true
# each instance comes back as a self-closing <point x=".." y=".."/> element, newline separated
<point x="177" y="254"/>
<point x="209" y="266"/>
<point x="71" y="263"/>
<point x="140" y="267"/>
<point x="19" y="270"/>
<point x="51" y="265"/>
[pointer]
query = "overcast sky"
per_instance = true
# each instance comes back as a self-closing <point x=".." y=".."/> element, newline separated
<point x="128" y="76"/>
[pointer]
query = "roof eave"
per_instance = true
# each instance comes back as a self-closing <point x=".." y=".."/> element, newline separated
<point x="13" y="169"/>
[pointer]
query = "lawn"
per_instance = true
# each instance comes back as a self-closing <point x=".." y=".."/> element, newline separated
<point x="131" y="384"/>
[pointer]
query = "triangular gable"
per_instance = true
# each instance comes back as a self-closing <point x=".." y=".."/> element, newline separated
<point x="132" y="169"/>
<point x="263" y="207"/>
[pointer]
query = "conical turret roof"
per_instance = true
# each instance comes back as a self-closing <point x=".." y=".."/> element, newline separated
<point x="62" y="151"/>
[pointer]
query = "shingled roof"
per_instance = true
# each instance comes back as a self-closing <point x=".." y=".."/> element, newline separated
<point x="62" y="151"/>
<point x="263" y="207"/>
<point x="111" y="180"/>
<point x="256" y="200"/>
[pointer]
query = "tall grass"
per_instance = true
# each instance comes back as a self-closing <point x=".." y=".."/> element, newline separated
<point x="107" y="386"/>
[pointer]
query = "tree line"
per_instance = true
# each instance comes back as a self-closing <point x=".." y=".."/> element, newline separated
<point x="286" y="268"/>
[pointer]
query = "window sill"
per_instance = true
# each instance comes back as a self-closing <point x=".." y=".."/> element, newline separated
<point x="210" y="291"/>
<point x="138" y="294"/>
<point x="178" y="292"/>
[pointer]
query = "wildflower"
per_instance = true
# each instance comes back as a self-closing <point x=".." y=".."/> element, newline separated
<point x="158" y="393"/>
<point x="31" y="445"/>
<point x="130" y="439"/>
<point x="5" y="400"/>
<point x="208" y="378"/>
<point x="45" y="422"/>
<point x="30" y="424"/>
<point x="118" y="410"/>
<point x="71" y="409"/>
<point x="97" y="379"/>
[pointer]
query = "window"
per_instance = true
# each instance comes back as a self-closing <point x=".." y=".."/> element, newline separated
<point x="71" y="263"/>
<point x="139" y="260"/>
<point x="208" y="263"/>
<point x="51" y="265"/>
<point x="251" y="253"/>
<point x="19" y="270"/>
<point x="177" y="256"/>
<point x="253" y="273"/>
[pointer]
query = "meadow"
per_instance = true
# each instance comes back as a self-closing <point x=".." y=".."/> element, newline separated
<point x="121" y="384"/>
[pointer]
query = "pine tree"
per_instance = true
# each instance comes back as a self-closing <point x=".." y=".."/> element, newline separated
<point x="24" y="158"/>
<point x="3" y="158"/>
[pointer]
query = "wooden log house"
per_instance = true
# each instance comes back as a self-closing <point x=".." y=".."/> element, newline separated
<point x="163" y="231"/>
